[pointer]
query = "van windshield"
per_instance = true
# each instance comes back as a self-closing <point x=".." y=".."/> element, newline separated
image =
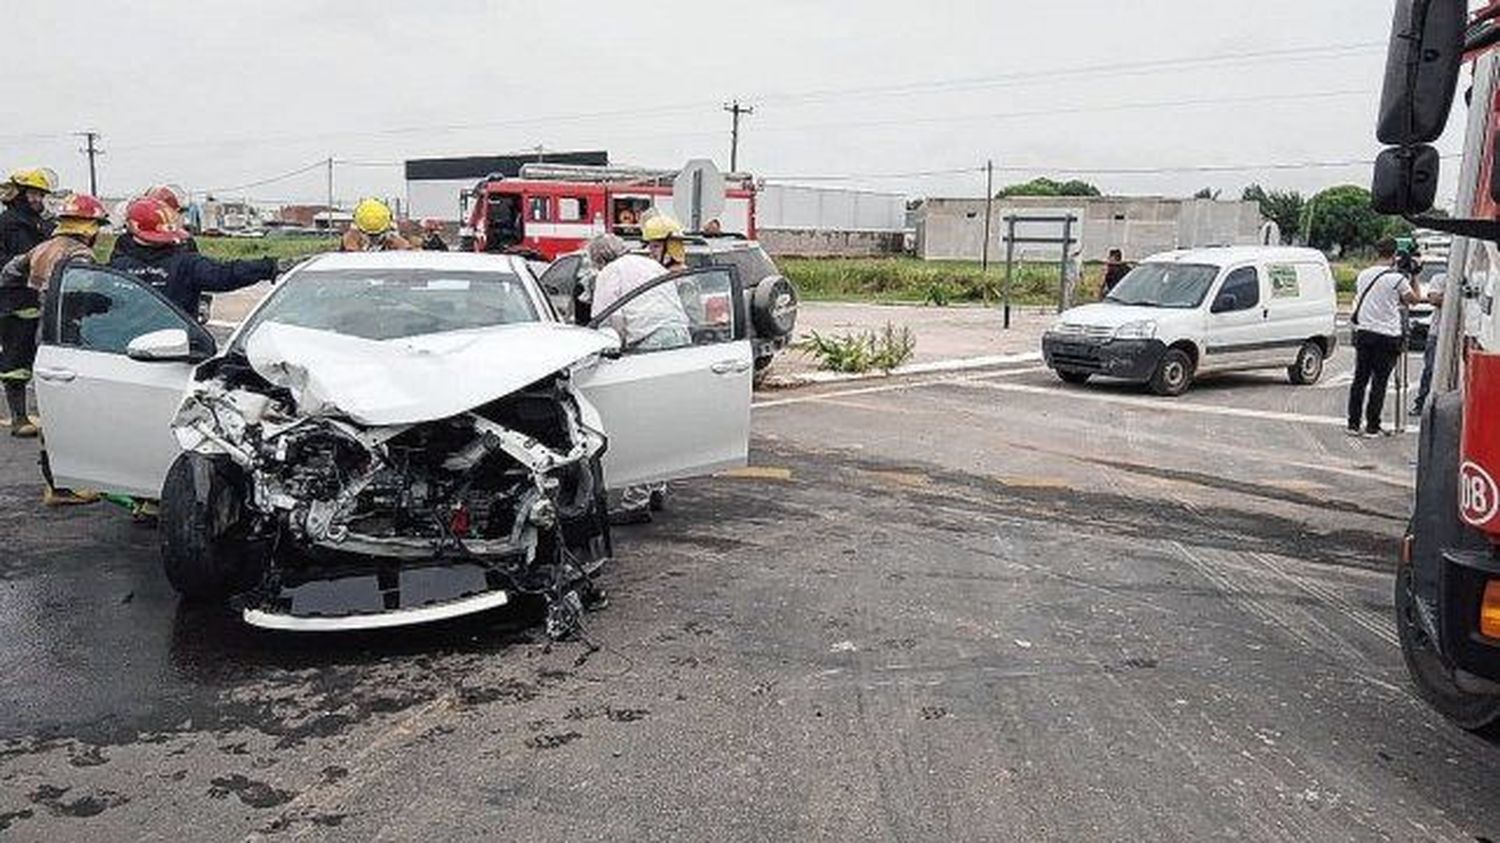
<point x="1179" y="285"/>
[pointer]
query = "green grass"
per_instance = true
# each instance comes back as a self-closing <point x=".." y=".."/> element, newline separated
<point x="908" y="280"/>
<point x="228" y="248"/>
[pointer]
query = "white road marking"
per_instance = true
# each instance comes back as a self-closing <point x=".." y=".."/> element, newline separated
<point x="891" y="387"/>
<point x="1161" y="405"/>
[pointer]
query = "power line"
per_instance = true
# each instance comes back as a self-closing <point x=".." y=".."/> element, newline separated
<point x="1095" y="171"/>
<point x="322" y="162"/>
<point x="930" y="86"/>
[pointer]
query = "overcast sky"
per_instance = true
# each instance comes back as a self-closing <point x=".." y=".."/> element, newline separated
<point x="213" y="94"/>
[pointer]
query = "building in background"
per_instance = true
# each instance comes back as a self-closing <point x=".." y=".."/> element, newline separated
<point x="435" y="187"/>
<point x="953" y="229"/>
<point x="828" y="222"/>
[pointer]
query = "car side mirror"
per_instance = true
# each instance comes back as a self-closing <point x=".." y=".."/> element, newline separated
<point x="170" y="344"/>
<point x="1225" y="303"/>
<point x="1422" y="69"/>
<point x="616" y="342"/>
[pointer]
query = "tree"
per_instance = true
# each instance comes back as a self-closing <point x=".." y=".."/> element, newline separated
<point x="1285" y="208"/>
<point x="1207" y="193"/>
<point x="1341" y="218"/>
<point x="1048" y="187"/>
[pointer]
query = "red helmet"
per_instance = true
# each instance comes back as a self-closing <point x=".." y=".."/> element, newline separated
<point x="81" y="206"/>
<point x="152" y="221"/>
<point x="170" y="195"/>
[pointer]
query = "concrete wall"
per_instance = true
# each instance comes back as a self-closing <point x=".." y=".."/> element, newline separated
<point x="830" y="244"/>
<point x="953" y="229"/>
<point x="791" y="207"/>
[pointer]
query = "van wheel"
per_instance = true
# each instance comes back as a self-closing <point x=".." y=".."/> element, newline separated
<point x="1308" y="369"/>
<point x="1073" y="377"/>
<point x="1173" y="375"/>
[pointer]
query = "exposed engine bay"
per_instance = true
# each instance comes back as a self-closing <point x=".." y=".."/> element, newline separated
<point x="357" y="526"/>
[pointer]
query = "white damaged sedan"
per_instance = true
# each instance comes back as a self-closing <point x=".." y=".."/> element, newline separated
<point x="388" y="438"/>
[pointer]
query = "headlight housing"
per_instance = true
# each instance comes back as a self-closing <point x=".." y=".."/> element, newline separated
<point x="1144" y="329"/>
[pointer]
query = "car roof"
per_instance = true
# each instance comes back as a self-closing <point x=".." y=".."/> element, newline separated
<point x="452" y="261"/>
<point x="1225" y="255"/>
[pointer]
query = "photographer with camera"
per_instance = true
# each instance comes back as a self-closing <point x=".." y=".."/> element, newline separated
<point x="1379" y="293"/>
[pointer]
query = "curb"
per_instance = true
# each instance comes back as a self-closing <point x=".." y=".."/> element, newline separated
<point x="960" y="364"/>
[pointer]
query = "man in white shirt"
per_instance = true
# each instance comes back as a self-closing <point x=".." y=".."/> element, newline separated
<point x="1379" y="293"/>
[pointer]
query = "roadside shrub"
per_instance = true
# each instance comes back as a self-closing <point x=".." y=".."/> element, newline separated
<point x="941" y="283"/>
<point x="886" y="349"/>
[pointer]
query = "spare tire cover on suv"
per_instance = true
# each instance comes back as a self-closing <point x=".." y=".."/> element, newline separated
<point x="773" y="307"/>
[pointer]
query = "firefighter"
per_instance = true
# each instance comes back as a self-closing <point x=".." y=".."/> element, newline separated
<point x="159" y="258"/>
<point x="79" y="220"/>
<point x="374" y="230"/>
<point x="663" y="236"/>
<point x="176" y="201"/>
<point x="432" y="236"/>
<point x="23" y="227"/>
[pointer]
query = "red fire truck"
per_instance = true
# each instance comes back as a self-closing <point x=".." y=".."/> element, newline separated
<point x="1447" y="593"/>
<point x="555" y="209"/>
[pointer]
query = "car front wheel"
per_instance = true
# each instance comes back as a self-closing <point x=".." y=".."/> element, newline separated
<point x="1174" y="374"/>
<point x="204" y="548"/>
<point x="1073" y="377"/>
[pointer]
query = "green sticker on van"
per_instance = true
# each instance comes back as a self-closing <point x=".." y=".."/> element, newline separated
<point x="1284" y="283"/>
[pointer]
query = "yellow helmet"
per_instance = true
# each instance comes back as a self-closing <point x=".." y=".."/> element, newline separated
<point x="661" y="227"/>
<point x="38" y="178"/>
<point x="372" y="217"/>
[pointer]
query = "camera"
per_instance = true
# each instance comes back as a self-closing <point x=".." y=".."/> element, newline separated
<point x="1408" y="257"/>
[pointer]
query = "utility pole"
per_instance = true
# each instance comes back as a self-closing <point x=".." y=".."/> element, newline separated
<point x="93" y="151"/>
<point x="330" y="193"/>
<point x="736" y="109"/>
<point x="989" y="211"/>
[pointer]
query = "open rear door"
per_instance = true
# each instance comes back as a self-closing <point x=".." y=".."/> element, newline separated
<point x="676" y="403"/>
<point x="107" y="409"/>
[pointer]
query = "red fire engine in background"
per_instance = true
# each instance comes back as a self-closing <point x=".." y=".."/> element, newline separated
<point x="551" y="210"/>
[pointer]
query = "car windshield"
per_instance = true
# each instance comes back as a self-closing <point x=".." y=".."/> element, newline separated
<point x="1178" y="285"/>
<point x="391" y="304"/>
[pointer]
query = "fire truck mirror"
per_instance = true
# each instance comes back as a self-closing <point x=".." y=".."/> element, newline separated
<point x="1406" y="180"/>
<point x="1421" y="71"/>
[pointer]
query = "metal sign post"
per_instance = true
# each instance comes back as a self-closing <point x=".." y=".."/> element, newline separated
<point x="698" y="193"/>
<point x="1066" y="241"/>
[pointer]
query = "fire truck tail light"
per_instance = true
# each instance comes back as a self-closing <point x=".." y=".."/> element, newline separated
<point x="1489" y="611"/>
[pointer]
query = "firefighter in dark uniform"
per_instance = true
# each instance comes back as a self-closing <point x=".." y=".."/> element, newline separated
<point x="78" y="223"/>
<point x="158" y="257"/>
<point x="23" y="227"/>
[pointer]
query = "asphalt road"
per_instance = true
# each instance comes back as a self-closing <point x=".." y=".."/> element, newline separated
<point x="987" y="607"/>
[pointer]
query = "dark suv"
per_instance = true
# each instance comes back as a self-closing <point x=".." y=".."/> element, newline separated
<point x="770" y="299"/>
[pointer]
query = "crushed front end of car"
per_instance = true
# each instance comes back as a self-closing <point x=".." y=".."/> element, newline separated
<point x="309" y="519"/>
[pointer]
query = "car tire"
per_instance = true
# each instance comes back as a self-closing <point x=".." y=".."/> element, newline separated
<point x="1429" y="673"/>
<point x="773" y="307"/>
<point x="1308" y="369"/>
<point x="203" y="548"/>
<point x="1073" y="377"/>
<point x="1173" y="375"/>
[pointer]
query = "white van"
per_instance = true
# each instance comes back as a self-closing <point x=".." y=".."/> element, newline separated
<point x="1184" y="313"/>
